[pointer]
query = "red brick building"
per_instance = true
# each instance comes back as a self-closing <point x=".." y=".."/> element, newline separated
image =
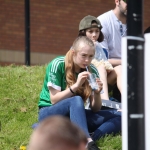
<point x="53" y="26"/>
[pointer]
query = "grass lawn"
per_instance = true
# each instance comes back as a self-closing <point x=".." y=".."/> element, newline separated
<point x="19" y="93"/>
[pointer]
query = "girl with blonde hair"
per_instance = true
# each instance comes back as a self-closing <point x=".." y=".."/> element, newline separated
<point x="66" y="89"/>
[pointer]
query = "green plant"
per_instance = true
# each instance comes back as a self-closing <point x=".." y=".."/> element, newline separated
<point x="19" y="94"/>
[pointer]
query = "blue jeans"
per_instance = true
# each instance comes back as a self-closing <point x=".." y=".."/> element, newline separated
<point x="72" y="107"/>
<point x="101" y="123"/>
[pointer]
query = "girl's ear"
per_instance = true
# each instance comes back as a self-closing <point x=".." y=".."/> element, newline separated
<point x="73" y="51"/>
<point x="117" y="2"/>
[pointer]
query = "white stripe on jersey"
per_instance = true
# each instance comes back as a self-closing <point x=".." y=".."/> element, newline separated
<point x="54" y="86"/>
<point x="55" y="64"/>
<point x="58" y="65"/>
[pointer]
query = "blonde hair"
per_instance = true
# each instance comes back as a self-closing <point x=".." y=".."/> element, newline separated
<point x="85" y="90"/>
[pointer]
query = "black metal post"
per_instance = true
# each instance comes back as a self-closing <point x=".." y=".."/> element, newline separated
<point x="135" y="76"/>
<point x="27" y="32"/>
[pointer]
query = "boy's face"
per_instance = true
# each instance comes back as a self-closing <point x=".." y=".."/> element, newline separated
<point x="93" y="33"/>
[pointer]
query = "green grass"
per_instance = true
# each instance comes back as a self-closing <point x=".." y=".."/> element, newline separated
<point x="19" y="93"/>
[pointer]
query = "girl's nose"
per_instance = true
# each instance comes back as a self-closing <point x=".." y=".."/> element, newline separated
<point x="87" y="59"/>
<point x="94" y="33"/>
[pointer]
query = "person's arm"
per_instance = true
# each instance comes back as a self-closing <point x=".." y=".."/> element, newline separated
<point x="95" y="98"/>
<point x="107" y="42"/>
<point x="57" y="95"/>
<point x="115" y="62"/>
<point x="105" y="30"/>
<point x="95" y="102"/>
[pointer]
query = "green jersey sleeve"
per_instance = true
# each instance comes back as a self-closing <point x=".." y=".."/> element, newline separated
<point x="56" y="74"/>
<point x="55" y="77"/>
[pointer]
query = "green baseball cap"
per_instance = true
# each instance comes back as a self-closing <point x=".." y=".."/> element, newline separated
<point x="86" y="23"/>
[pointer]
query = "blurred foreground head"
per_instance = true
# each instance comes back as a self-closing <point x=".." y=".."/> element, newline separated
<point x="57" y="133"/>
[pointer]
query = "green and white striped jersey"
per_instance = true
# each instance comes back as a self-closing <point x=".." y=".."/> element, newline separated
<point x="55" y="77"/>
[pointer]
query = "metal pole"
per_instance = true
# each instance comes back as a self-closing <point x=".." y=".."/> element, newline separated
<point x="27" y="32"/>
<point x="135" y="139"/>
<point x="147" y="92"/>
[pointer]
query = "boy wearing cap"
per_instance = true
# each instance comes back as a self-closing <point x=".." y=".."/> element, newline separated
<point x="91" y="27"/>
<point x="114" y="27"/>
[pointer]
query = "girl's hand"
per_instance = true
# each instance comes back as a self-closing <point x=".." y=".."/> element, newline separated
<point x="81" y="78"/>
<point x="100" y="84"/>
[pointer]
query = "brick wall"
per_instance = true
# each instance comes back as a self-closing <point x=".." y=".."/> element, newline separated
<point x="53" y="26"/>
<point x="11" y="25"/>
